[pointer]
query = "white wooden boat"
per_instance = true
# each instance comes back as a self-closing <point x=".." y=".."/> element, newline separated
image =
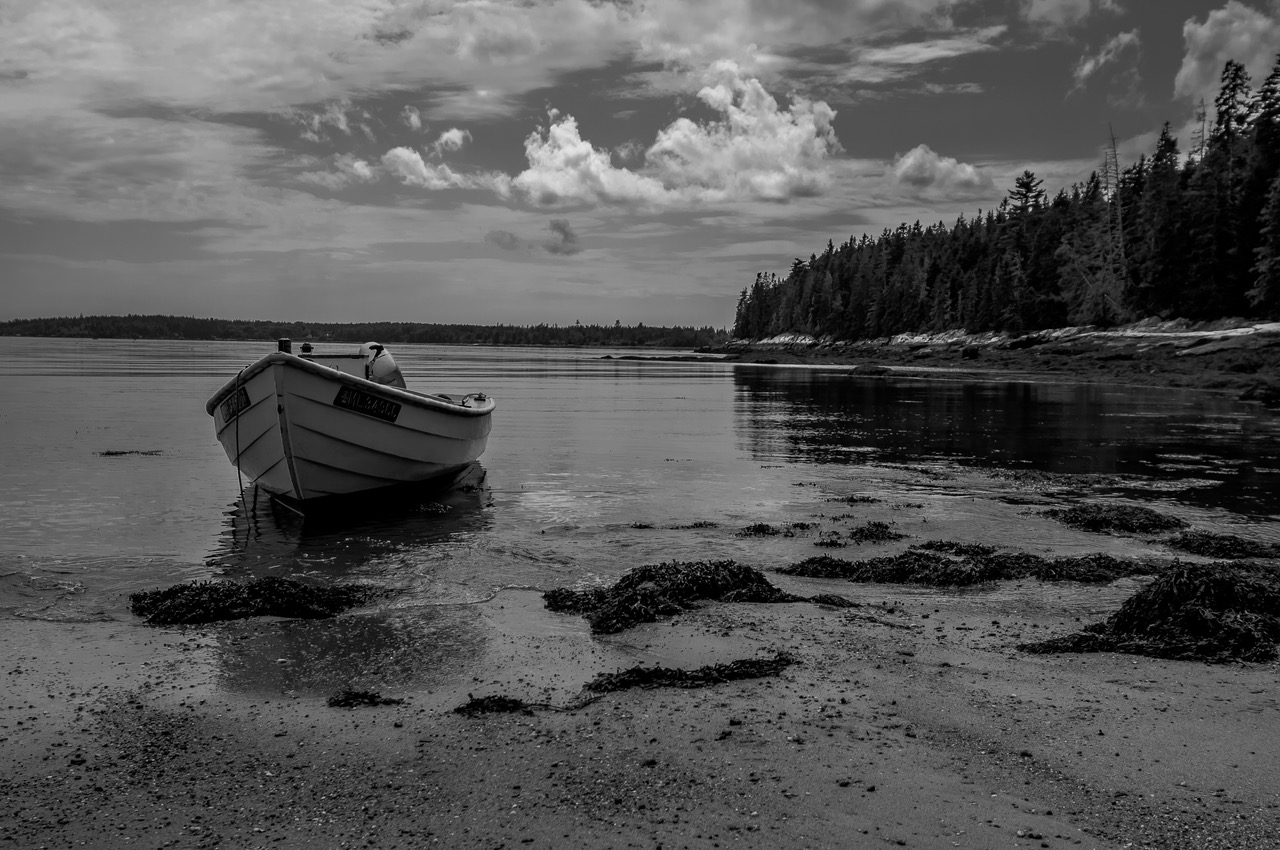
<point x="318" y="425"/>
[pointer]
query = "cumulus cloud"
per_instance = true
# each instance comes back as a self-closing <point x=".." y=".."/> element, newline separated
<point x="752" y="150"/>
<point x="408" y="166"/>
<point x="925" y="171"/>
<point x="1108" y="54"/>
<point x="565" y="168"/>
<point x="564" y="240"/>
<point x="450" y="140"/>
<point x="1236" y="31"/>
<point x="755" y="150"/>
<point x="411" y="118"/>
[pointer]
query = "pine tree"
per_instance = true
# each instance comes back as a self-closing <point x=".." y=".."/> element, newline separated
<point x="1265" y="293"/>
<point x="1160" y="262"/>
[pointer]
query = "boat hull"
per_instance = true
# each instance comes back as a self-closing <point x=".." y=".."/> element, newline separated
<point x="304" y="431"/>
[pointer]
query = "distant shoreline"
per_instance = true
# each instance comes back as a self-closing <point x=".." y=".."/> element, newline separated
<point x="161" y="327"/>
<point x="1243" y="361"/>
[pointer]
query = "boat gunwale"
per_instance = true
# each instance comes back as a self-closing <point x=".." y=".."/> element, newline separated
<point x="403" y="396"/>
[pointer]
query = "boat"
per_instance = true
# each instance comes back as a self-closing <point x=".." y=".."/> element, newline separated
<point x="312" y="426"/>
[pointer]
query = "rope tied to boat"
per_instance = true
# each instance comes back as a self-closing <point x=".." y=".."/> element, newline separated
<point x="235" y="395"/>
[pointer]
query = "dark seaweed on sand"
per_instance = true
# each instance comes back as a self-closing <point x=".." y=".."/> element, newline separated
<point x="211" y="601"/>
<point x="1208" y="612"/>
<point x="945" y="563"/>
<point x="714" y="674"/>
<point x="1126" y="519"/>
<point x="476" y="706"/>
<point x="874" y="532"/>
<point x="1210" y="545"/>
<point x="657" y="590"/>
<point x="352" y="699"/>
<point x="637" y="677"/>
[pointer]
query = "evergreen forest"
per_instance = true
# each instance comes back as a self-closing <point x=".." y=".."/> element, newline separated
<point x="1170" y="236"/>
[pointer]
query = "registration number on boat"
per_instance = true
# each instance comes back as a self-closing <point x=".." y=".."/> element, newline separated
<point x="235" y="403"/>
<point x="369" y="405"/>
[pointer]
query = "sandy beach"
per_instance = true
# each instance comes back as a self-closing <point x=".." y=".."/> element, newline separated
<point x="910" y="720"/>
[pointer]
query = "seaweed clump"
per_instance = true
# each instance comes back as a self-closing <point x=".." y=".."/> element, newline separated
<point x="476" y="706"/>
<point x="874" y="532"/>
<point x="211" y="601"/>
<point x="636" y="677"/>
<point x="649" y="592"/>
<point x="351" y="699"/>
<point x="915" y="566"/>
<point x="1126" y="519"/>
<point x="1229" y="546"/>
<point x="946" y="563"/>
<point x="1206" y="612"/>
<point x="701" y="677"/>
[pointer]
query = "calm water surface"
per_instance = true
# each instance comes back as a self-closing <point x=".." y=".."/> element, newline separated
<point x="112" y="482"/>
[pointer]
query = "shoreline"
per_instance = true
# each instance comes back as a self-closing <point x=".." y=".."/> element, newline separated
<point x="1240" y="361"/>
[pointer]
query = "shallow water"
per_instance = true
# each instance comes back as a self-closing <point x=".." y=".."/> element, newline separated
<point x="113" y="483"/>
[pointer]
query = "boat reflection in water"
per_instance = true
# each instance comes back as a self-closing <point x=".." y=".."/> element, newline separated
<point x="263" y="537"/>
<point x="422" y="632"/>
<point x="1218" y="451"/>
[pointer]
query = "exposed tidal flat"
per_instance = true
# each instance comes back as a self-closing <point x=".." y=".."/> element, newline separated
<point x="979" y="519"/>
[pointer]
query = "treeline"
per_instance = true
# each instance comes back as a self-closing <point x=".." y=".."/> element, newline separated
<point x="187" y="327"/>
<point x="1194" y="237"/>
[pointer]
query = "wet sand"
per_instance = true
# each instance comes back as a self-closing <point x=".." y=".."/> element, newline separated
<point x="910" y="721"/>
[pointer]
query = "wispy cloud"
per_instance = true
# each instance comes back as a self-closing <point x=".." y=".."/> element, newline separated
<point x="1108" y="54"/>
<point x="1056" y="16"/>
<point x="897" y="62"/>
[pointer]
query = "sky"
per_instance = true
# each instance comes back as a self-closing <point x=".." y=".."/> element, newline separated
<point x="531" y="161"/>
